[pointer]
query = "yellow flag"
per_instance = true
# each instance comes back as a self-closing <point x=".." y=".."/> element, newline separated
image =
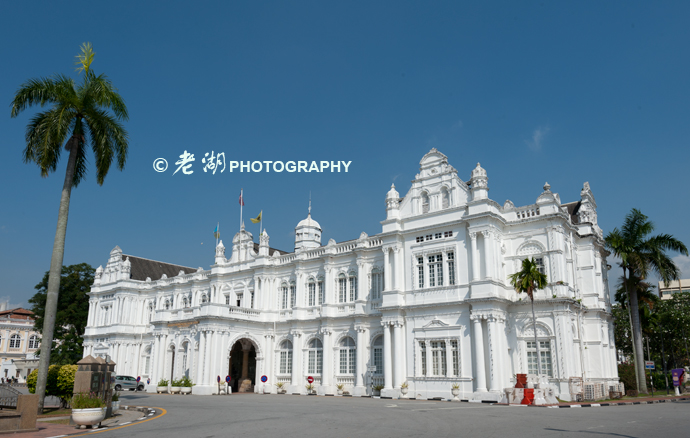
<point x="257" y="219"/>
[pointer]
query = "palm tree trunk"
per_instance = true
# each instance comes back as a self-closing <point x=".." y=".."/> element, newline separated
<point x="637" y="338"/>
<point x="54" y="276"/>
<point x="536" y="342"/>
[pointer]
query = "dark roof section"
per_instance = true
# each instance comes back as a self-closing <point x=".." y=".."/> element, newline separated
<point x="17" y="313"/>
<point x="573" y="208"/>
<point x="270" y="250"/>
<point x="142" y="268"/>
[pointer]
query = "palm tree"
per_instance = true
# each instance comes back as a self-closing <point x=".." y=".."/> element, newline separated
<point x="78" y="115"/>
<point x="639" y="256"/>
<point x="528" y="280"/>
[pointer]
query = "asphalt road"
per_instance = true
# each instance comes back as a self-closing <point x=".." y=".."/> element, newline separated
<point x="301" y="416"/>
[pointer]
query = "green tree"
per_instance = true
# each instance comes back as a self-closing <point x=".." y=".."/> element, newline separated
<point x="60" y="382"/>
<point x="88" y="112"/>
<point x="72" y="312"/>
<point x="640" y="255"/>
<point x="528" y="279"/>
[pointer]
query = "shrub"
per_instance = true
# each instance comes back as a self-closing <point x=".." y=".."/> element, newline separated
<point x="116" y="396"/>
<point x="186" y="382"/>
<point x="87" y="401"/>
<point x="626" y="373"/>
<point x="60" y="382"/>
<point x="163" y="382"/>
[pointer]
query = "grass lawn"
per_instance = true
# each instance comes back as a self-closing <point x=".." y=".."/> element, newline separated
<point x="55" y="412"/>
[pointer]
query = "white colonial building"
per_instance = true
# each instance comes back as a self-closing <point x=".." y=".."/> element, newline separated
<point x="427" y="301"/>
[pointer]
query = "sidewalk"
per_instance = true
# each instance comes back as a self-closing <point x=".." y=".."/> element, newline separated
<point x="46" y="429"/>
<point x="623" y="402"/>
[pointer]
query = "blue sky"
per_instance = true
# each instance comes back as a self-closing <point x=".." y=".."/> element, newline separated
<point x="563" y="92"/>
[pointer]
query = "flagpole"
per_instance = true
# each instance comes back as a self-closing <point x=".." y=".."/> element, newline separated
<point x="217" y="232"/>
<point x="239" y="256"/>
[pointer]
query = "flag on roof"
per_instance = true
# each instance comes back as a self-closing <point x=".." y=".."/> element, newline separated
<point x="257" y="219"/>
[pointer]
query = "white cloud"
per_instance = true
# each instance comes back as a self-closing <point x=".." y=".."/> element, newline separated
<point x="538" y="137"/>
<point x="683" y="263"/>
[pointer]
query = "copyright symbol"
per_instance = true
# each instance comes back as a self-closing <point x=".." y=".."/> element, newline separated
<point x="160" y="165"/>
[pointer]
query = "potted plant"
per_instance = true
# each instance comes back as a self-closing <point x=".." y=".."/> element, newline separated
<point x="340" y="387"/>
<point x="281" y="387"/>
<point x="175" y="386"/>
<point x="404" y="388"/>
<point x="162" y="387"/>
<point x="377" y="389"/>
<point x="87" y="409"/>
<point x="186" y="385"/>
<point x="455" y="390"/>
<point x="311" y="389"/>
<point x="116" y="401"/>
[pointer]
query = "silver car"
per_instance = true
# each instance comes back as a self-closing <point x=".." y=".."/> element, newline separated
<point x="128" y="382"/>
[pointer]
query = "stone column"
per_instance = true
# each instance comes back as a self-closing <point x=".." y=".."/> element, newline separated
<point x="494" y="351"/>
<point x="386" y="269"/>
<point x="208" y="357"/>
<point x="399" y="276"/>
<point x="200" y="358"/>
<point x="360" y="368"/>
<point x="162" y="359"/>
<point x="489" y="254"/>
<point x="399" y="376"/>
<point x="296" y="362"/>
<point x="387" y="357"/>
<point x="268" y="361"/>
<point x="191" y="357"/>
<point x="474" y="257"/>
<point x="480" y="370"/>
<point x="327" y="371"/>
<point x="362" y="283"/>
<point x="153" y="372"/>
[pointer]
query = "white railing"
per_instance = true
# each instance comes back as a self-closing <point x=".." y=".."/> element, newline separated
<point x="286" y="258"/>
<point x="283" y="379"/>
<point x="375" y="304"/>
<point x="374" y="242"/>
<point x="377" y="380"/>
<point x="527" y="213"/>
<point x="346" y="308"/>
<point x="347" y="247"/>
<point x="345" y="380"/>
<point x="286" y="313"/>
<point x="234" y="310"/>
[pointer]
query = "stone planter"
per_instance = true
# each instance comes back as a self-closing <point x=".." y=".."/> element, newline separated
<point x="186" y="390"/>
<point x="340" y="392"/>
<point x="116" y="405"/>
<point x="175" y="389"/>
<point x="161" y="389"/>
<point x="267" y="389"/>
<point x="455" y="392"/>
<point x="404" y="390"/>
<point x="88" y="417"/>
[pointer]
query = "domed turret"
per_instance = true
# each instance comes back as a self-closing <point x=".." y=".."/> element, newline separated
<point x="480" y="183"/>
<point x="307" y="233"/>
<point x="392" y="203"/>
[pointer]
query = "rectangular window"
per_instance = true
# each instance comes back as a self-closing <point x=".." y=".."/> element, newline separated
<point x="422" y="348"/>
<point x="451" y="268"/>
<point x="343" y="361"/>
<point x="352" y="356"/>
<point x="251" y="300"/>
<point x="432" y="272"/>
<point x="439" y="269"/>
<point x="227" y="299"/>
<point x="435" y="270"/>
<point x="376" y="285"/>
<point x="285" y="297"/>
<point x="437" y="235"/>
<point x="312" y="294"/>
<point x="293" y="295"/>
<point x="312" y="362"/>
<point x="545" y="352"/>
<point x="438" y="358"/>
<point x="147" y="365"/>
<point x="342" y="289"/>
<point x="420" y="271"/>
<point x="429" y="237"/>
<point x="447" y="234"/>
<point x="420" y="239"/>
<point x="285" y="362"/>
<point x="378" y="361"/>
<point x="540" y="264"/>
<point x="320" y="293"/>
<point x="353" y="288"/>
<point x="455" y="353"/>
<point x="319" y="361"/>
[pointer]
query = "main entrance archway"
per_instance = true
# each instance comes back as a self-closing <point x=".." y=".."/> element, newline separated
<point x="243" y="366"/>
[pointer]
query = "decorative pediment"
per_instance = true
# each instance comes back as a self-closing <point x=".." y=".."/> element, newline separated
<point x="436" y="323"/>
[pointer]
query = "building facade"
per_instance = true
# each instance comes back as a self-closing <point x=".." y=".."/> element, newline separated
<point x="18" y="343"/>
<point x="427" y="301"/>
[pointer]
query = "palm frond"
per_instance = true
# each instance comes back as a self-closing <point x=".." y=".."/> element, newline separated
<point x="42" y="91"/>
<point x="101" y="92"/>
<point x="108" y="139"/>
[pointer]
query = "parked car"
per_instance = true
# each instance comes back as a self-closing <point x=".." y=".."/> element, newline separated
<point x="127" y="382"/>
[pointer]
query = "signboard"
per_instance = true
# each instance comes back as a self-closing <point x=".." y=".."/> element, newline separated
<point x="218" y="379"/>
<point x="148" y="381"/>
<point x="310" y="379"/>
<point x="372" y="369"/>
<point x="227" y="379"/>
<point x="138" y="379"/>
<point x="677" y="376"/>
<point x="649" y="365"/>
<point x="264" y="379"/>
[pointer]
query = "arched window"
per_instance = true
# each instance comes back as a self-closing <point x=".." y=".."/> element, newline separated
<point x="315" y="359"/>
<point x="378" y="355"/>
<point x="15" y="341"/>
<point x="167" y="304"/>
<point x="353" y="286"/>
<point x="425" y="202"/>
<point x="311" y="287"/>
<point x="347" y="356"/>
<point x="376" y="283"/>
<point x="284" y="295"/>
<point x="285" y="357"/>
<point x="184" y="302"/>
<point x="445" y="198"/>
<point x="204" y="299"/>
<point x="342" y="288"/>
<point x="33" y="342"/>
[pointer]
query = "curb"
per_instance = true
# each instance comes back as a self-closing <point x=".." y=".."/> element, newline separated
<point x="599" y="405"/>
